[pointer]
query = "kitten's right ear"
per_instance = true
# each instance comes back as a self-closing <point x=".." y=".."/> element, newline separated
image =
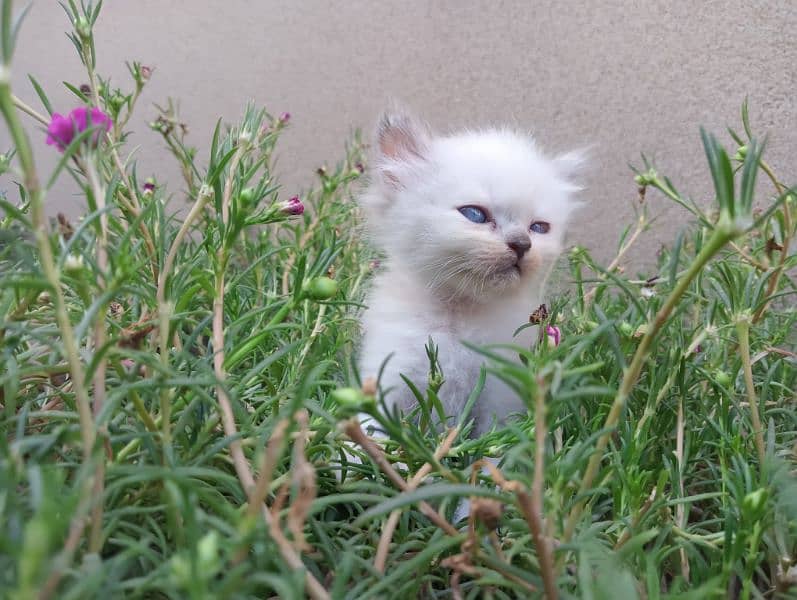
<point x="402" y="141"/>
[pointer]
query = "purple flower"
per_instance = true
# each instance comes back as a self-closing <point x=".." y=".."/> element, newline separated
<point x="149" y="187"/>
<point x="553" y="334"/>
<point x="293" y="206"/>
<point x="63" y="129"/>
<point x="285" y="117"/>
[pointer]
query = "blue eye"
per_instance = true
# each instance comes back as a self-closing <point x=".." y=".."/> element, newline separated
<point x="474" y="213"/>
<point x="540" y="227"/>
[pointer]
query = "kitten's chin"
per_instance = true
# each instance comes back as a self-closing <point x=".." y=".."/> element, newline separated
<point x="482" y="288"/>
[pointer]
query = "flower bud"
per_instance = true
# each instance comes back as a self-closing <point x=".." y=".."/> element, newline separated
<point x="180" y="570"/>
<point x="293" y="206"/>
<point x="741" y="153"/>
<point x="117" y="101"/>
<point x="351" y="400"/>
<point x="206" y="191"/>
<point x="321" y="288"/>
<point x="754" y="504"/>
<point x="247" y="196"/>
<point x="83" y="28"/>
<point x="553" y="335"/>
<point x="369" y="386"/>
<point x="149" y="186"/>
<point x="722" y="378"/>
<point x="625" y="328"/>
<point x="208" y="554"/>
<point x="244" y="137"/>
<point x="73" y="264"/>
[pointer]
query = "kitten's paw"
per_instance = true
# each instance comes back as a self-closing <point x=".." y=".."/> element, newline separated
<point x="461" y="514"/>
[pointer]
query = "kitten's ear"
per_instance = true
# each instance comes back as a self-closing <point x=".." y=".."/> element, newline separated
<point x="569" y="165"/>
<point x="402" y="140"/>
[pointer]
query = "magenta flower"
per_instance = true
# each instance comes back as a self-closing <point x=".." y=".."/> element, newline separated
<point x="63" y="129"/>
<point x="553" y="334"/>
<point x="293" y="206"/>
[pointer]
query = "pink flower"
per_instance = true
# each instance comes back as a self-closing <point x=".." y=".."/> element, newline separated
<point x="63" y="129"/>
<point x="293" y="206"/>
<point x="553" y="334"/>
<point x="285" y="117"/>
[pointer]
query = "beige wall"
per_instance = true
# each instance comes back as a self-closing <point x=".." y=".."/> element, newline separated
<point x="623" y="77"/>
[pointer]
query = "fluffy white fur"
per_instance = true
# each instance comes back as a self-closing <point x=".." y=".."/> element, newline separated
<point x="446" y="277"/>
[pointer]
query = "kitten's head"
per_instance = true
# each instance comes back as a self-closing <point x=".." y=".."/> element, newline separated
<point x="473" y="215"/>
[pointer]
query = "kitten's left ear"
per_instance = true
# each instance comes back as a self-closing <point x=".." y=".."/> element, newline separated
<point x="401" y="141"/>
<point x="569" y="165"/>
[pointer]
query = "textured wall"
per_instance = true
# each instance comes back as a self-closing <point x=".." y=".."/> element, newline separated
<point x="621" y="76"/>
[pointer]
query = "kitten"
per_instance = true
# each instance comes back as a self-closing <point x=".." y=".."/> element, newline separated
<point x="471" y="225"/>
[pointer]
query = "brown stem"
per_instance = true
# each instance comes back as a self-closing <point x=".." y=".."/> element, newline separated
<point x="270" y="457"/>
<point x="357" y="435"/>
<point x="621" y="541"/>
<point x="532" y="504"/>
<point x="227" y="416"/>
<point x="390" y="525"/>
<point x="242" y="470"/>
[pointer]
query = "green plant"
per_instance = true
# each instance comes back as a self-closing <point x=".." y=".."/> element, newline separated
<point x="177" y="391"/>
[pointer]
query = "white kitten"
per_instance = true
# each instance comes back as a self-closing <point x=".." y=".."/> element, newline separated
<point x="471" y="225"/>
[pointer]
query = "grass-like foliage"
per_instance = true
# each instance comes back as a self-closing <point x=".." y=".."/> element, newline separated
<point x="177" y="389"/>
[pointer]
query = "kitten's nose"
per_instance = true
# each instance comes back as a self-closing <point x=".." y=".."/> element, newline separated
<point x="519" y="246"/>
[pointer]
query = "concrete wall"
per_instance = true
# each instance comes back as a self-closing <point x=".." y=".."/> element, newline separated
<point x="622" y="77"/>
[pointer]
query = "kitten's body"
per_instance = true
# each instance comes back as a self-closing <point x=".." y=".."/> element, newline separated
<point x="448" y="277"/>
<point x="403" y="315"/>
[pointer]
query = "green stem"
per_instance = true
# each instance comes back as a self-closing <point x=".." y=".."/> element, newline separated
<point x="134" y="205"/>
<point x="31" y="183"/>
<point x="743" y="330"/>
<point x="722" y="234"/>
<point x="95" y="536"/>
<point x="165" y="310"/>
<point x="29" y="111"/>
